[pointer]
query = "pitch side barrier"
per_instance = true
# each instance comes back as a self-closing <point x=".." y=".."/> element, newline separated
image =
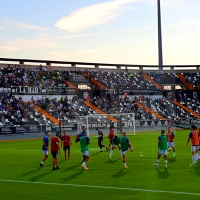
<point x="139" y="125"/>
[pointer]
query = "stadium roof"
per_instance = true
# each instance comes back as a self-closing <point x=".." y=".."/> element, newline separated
<point x="93" y="65"/>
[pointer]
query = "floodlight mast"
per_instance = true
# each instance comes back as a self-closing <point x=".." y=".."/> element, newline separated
<point x="88" y="131"/>
<point x="160" y="56"/>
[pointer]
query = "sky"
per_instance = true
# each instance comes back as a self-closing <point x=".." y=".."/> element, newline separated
<point x="105" y="31"/>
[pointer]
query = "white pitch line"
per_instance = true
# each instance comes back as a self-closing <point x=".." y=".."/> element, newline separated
<point x="103" y="187"/>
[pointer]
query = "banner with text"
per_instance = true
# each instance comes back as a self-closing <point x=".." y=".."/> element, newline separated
<point x="43" y="91"/>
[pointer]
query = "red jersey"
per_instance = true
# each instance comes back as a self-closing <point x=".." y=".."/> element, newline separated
<point x="66" y="140"/>
<point x="54" y="143"/>
<point x="111" y="134"/>
<point x="170" y="136"/>
<point x="194" y="138"/>
<point x="199" y="137"/>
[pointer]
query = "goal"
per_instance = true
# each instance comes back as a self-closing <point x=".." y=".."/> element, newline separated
<point x="120" y="123"/>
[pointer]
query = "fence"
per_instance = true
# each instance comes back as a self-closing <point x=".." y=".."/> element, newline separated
<point x="72" y="126"/>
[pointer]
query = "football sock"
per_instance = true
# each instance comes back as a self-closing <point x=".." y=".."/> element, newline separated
<point x="111" y="151"/>
<point x="165" y="163"/>
<point x="157" y="161"/>
<point x="197" y="157"/>
<point x="84" y="164"/>
<point x="42" y="162"/>
<point x="193" y="159"/>
<point x="124" y="164"/>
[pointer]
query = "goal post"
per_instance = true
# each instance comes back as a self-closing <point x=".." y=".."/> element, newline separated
<point x="120" y="122"/>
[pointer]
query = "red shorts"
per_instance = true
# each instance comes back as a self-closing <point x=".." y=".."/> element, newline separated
<point x="111" y="136"/>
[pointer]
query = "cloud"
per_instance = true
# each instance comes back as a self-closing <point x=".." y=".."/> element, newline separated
<point x="20" y="44"/>
<point x="19" y="24"/>
<point x="78" y="35"/>
<point x="181" y="24"/>
<point x="93" y="15"/>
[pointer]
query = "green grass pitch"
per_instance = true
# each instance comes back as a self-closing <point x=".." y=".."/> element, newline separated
<point x="19" y="163"/>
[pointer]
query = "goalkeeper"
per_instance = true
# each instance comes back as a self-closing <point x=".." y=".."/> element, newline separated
<point x="100" y="138"/>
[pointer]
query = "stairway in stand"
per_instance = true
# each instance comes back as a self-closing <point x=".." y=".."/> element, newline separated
<point x="97" y="83"/>
<point x="150" y="111"/>
<point x="71" y="85"/>
<point x="186" y="109"/>
<point x="46" y="114"/>
<point x="99" y="111"/>
<point x="152" y="81"/>
<point x="185" y="82"/>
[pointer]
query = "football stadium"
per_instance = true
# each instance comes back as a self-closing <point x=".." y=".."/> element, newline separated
<point x="93" y="130"/>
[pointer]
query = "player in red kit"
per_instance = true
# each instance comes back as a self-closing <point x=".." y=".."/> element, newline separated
<point x="66" y="143"/>
<point x="194" y="138"/>
<point x="170" y="137"/>
<point x="55" y="149"/>
<point x="111" y="135"/>
<point x="199" y="144"/>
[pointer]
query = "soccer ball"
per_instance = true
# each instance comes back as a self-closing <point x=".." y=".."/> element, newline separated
<point x="169" y="149"/>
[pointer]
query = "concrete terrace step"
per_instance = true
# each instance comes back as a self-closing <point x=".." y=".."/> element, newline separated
<point x="103" y="87"/>
<point x="185" y="82"/>
<point x="186" y="109"/>
<point x="152" y="81"/>
<point x="99" y="111"/>
<point x="47" y="115"/>
<point x="150" y="111"/>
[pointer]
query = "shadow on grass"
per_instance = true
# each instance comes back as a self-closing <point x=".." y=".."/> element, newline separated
<point x="30" y="172"/>
<point x="110" y="161"/>
<point x="73" y="176"/>
<point x="162" y="174"/>
<point x="74" y="166"/>
<point x="59" y="162"/>
<point x="39" y="176"/>
<point x="94" y="154"/>
<point x="120" y="173"/>
<point x="49" y="165"/>
<point x="171" y="160"/>
<point x="196" y="170"/>
<point x="62" y="161"/>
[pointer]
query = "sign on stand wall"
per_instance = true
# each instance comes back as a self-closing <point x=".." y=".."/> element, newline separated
<point x="44" y="91"/>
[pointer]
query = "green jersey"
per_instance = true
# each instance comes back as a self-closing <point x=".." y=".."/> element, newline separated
<point x="163" y="142"/>
<point x="115" y="141"/>
<point x="124" y="143"/>
<point x="84" y="143"/>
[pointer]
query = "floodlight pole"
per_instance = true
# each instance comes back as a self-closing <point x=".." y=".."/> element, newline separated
<point x="59" y="123"/>
<point x="134" y="125"/>
<point x="88" y="132"/>
<point x="160" y="56"/>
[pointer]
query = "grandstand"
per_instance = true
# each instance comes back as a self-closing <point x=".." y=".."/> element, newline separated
<point x="36" y="94"/>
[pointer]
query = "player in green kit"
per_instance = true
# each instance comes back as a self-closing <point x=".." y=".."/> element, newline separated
<point x="115" y="143"/>
<point x="124" y="145"/>
<point x="84" y="144"/>
<point x="162" y="148"/>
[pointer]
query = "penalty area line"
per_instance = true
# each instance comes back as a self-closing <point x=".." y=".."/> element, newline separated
<point x="102" y="187"/>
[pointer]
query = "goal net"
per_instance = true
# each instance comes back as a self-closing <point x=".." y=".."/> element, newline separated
<point x="120" y="123"/>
